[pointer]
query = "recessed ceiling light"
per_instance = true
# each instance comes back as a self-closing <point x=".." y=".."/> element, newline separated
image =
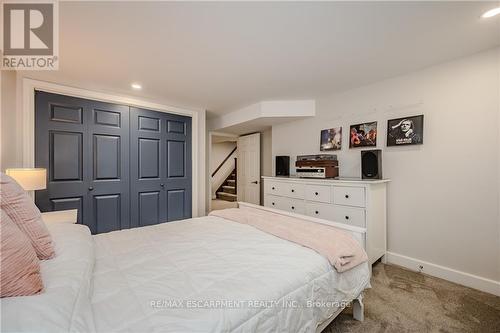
<point x="136" y="86"/>
<point x="491" y="13"/>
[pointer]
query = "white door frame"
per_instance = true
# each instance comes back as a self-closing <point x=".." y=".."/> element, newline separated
<point x="29" y="86"/>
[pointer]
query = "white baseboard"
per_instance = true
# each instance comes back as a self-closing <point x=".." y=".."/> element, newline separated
<point x="466" y="279"/>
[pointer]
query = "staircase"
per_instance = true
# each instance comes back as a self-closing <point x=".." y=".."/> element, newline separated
<point x="227" y="191"/>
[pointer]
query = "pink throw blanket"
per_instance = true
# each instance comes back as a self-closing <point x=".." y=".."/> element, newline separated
<point x="341" y="250"/>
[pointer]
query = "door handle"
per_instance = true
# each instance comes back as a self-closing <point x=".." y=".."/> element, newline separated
<point x="255" y="182"/>
<point x="91" y="188"/>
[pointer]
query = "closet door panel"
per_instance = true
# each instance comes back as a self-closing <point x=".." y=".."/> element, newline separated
<point x="178" y="175"/>
<point x="176" y="159"/>
<point x="84" y="144"/>
<point x="109" y="185"/>
<point x="147" y="153"/>
<point x="149" y="208"/>
<point x="176" y="204"/>
<point x="107" y="212"/>
<point x="65" y="153"/>
<point x="61" y="147"/>
<point x="161" y="166"/>
<point x="149" y="158"/>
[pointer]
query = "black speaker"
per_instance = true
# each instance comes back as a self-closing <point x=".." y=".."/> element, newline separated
<point x="371" y="164"/>
<point x="282" y="165"/>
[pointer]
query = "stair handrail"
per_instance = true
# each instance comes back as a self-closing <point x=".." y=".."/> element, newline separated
<point x="224" y="161"/>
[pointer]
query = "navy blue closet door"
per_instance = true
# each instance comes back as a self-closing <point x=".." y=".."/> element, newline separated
<point x="120" y="166"/>
<point x="84" y="145"/>
<point x="109" y="187"/>
<point x="160" y="177"/>
<point x="61" y="148"/>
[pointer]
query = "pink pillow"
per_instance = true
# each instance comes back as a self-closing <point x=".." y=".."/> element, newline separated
<point x="20" y="268"/>
<point x="22" y="210"/>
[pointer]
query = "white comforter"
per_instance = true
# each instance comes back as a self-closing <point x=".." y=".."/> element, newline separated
<point x="124" y="280"/>
<point x="192" y="276"/>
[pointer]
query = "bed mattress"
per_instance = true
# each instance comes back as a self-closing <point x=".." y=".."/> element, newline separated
<point x="209" y="274"/>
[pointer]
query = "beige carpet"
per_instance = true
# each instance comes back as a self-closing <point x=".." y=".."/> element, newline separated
<point x="405" y="301"/>
<point x="223" y="204"/>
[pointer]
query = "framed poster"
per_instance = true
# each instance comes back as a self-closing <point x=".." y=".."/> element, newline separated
<point x="363" y="135"/>
<point x="331" y="139"/>
<point x="405" y="131"/>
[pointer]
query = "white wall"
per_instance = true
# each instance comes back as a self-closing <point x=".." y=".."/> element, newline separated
<point x="10" y="149"/>
<point x="443" y="201"/>
<point x="219" y="152"/>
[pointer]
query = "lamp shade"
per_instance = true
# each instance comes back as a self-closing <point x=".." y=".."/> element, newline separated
<point x="30" y="179"/>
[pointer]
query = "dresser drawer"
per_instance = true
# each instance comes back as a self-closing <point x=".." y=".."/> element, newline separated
<point x="291" y="190"/>
<point x="293" y="205"/>
<point x="287" y="204"/>
<point x="275" y="188"/>
<point x="319" y="210"/>
<point x="294" y="190"/>
<point x="350" y="196"/>
<point x="273" y="201"/>
<point x="320" y="193"/>
<point x="349" y="215"/>
<point x="336" y="213"/>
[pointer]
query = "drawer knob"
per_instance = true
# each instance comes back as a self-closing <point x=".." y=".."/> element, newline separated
<point x="293" y="190"/>
<point x="272" y="188"/>
<point x="293" y="207"/>
<point x="273" y="203"/>
<point x="347" y="196"/>
<point x="347" y="217"/>
<point x="316" y="212"/>
<point x="316" y="193"/>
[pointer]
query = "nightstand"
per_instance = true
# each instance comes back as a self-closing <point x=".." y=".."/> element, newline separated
<point x="61" y="216"/>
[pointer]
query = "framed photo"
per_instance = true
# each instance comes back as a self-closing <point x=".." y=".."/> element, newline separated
<point x="331" y="139"/>
<point x="405" y="131"/>
<point x="363" y="135"/>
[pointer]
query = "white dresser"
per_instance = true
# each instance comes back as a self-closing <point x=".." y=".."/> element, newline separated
<point x="359" y="203"/>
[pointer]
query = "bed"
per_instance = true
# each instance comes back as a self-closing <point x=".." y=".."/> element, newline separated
<point x="203" y="274"/>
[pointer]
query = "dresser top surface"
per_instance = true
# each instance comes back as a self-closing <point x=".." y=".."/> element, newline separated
<point x="341" y="180"/>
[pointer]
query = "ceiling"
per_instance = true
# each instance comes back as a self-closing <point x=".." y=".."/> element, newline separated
<point x="223" y="56"/>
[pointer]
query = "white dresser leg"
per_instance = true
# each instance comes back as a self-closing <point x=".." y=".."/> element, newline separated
<point x="358" y="308"/>
<point x="384" y="259"/>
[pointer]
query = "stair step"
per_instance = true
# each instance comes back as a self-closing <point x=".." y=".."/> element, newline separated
<point x="229" y="189"/>
<point x="226" y="196"/>
<point x="231" y="182"/>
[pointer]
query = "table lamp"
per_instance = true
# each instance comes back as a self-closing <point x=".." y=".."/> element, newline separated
<point x="30" y="179"/>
